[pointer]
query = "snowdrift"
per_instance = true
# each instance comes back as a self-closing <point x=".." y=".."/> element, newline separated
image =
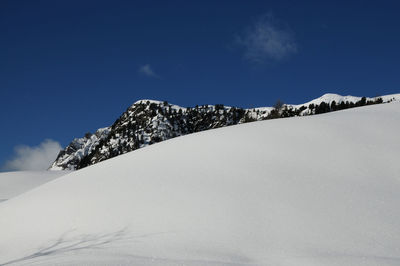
<point x="15" y="183"/>
<point x="317" y="190"/>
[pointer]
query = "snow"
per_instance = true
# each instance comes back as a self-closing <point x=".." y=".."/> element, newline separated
<point x="15" y="183"/>
<point x="80" y="147"/>
<point x="330" y="97"/>
<point x="173" y="106"/>
<point x="315" y="190"/>
<point x="162" y="126"/>
<point x="391" y="97"/>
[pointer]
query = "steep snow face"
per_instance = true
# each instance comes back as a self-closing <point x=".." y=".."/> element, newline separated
<point x="15" y="183"/>
<point x="68" y="158"/>
<point x="315" y="190"/>
<point x="149" y="121"/>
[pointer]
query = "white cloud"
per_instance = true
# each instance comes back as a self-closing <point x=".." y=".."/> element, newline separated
<point x="148" y="71"/>
<point x="34" y="158"/>
<point x="267" y="40"/>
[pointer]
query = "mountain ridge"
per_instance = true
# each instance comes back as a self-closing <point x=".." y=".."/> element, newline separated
<point x="149" y="121"/>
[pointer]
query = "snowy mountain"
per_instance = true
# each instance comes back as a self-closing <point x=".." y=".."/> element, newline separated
<point x="78" y="149"/>
<point x="305" y="191"/>
<point x="147" y="122"/>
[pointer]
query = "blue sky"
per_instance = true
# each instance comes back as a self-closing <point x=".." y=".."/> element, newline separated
<point x="69" y="67"/>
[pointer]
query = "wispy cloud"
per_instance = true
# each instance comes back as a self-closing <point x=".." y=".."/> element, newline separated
<point x="148" y="71"/>
<point x="33" y="158"/>
<point x="267" y="40"/>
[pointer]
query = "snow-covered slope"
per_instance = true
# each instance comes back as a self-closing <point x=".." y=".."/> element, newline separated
<point x="15" y="183"/>
<point x="148" y="121"/>
<point x="330" y="97"/>
<point x="68" y="158"/>
<point x="315" y="190"/>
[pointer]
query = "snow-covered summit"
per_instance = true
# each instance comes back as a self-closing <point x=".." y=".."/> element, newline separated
<point x="330" y="97"/>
